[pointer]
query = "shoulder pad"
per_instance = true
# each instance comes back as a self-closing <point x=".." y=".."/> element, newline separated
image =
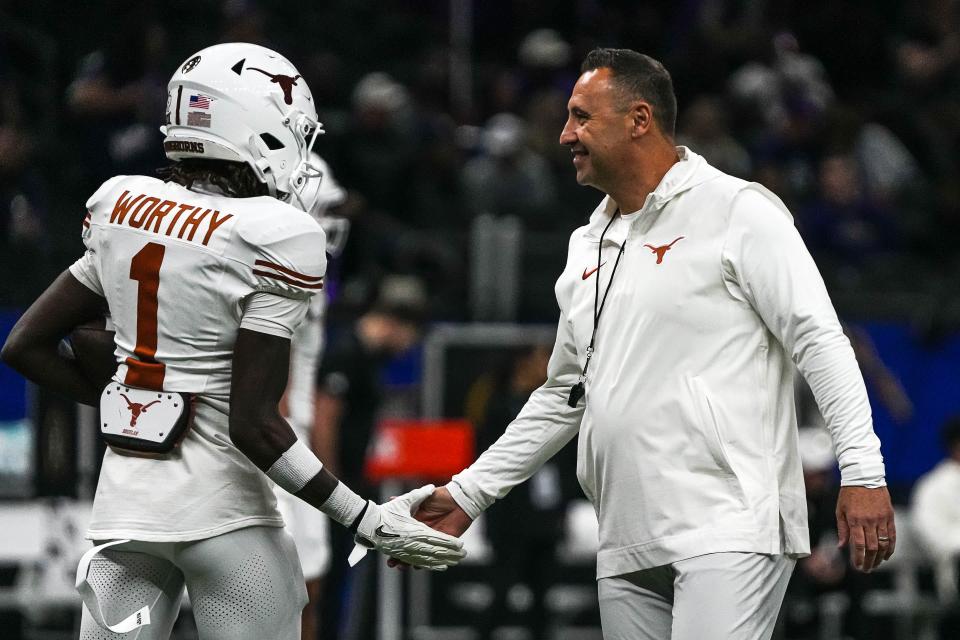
<point x="99" y="196"/>
<point x="103" y="191"/>
<point x="288" y="252"/>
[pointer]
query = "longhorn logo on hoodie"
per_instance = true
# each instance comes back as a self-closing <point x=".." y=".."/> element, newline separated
<point x="662" y="250"/>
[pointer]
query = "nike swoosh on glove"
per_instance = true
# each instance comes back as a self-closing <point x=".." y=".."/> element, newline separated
<point x="391" y="529"/>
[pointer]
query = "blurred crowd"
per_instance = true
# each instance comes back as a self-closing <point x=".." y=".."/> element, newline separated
<point x="441" y="112"/>
<point x="438" y="112"/>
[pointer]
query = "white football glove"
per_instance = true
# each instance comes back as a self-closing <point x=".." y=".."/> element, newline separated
<point x="391" y="529"/>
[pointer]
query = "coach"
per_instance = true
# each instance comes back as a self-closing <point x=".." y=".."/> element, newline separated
<point x="682" y="304"/>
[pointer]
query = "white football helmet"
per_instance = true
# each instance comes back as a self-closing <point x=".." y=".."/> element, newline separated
<point x="319" y="195"/>
<point x="245" y="103"/>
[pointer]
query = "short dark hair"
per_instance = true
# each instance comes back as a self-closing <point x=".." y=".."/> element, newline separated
<point x="950" y="433"/>
<point x="640" y="77"/>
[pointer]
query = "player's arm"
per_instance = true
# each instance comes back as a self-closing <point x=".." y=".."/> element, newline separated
<point x="260" y="367"/>
<point x="33" y="346"/>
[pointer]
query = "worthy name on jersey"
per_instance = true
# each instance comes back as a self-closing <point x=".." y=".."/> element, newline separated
<point x="180" y="220"/>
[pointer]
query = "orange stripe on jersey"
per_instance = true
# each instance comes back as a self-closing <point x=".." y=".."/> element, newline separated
<point x="289" y="272"/>
<point x="282" y="278"/>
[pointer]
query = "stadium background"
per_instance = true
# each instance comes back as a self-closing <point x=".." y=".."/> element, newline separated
<point x="442" y="120"/>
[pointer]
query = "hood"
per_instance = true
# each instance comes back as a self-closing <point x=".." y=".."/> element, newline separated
<point x="690" y="171"/>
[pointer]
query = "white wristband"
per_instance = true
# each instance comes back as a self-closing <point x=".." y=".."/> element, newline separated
<point x="295" y="468"/>
<point x="343" y="505"/>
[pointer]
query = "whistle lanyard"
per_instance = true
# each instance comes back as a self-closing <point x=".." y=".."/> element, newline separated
<point x="577" y="391"/>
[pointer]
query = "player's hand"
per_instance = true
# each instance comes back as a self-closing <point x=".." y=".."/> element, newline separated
<point x="441" y="512"/>
<point x="391" y="529"/>
<point x="865" y="522"/>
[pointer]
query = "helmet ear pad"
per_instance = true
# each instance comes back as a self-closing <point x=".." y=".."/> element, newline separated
<point x="261" y="165"/>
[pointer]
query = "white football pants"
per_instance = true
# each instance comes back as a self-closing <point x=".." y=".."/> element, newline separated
<point x="718" y="596"/>
<point x="243" y="585"/>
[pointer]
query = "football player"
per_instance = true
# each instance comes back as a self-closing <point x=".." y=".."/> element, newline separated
<point x="306" y="525"/>
<point x="205" y="273"/>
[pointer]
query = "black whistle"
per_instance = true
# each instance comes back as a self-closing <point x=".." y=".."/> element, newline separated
<point x="576" y="392"/>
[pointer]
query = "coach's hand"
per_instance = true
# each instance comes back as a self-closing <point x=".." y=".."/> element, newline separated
<point x="391" y="529"/>
<point x="865" y="522"/>
<point x="440" y="512"/>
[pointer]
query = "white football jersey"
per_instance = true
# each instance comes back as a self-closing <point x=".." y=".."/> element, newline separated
<point x="178" y="269"/>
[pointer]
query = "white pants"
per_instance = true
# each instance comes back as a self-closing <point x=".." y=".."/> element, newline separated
<point x="719" y="596"/>
<point x="243" y="585"/>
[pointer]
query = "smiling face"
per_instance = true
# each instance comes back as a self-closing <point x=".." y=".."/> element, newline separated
<point x="598" y="130"/>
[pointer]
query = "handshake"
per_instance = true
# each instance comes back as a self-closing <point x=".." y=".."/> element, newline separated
<point x="419" y="528"/>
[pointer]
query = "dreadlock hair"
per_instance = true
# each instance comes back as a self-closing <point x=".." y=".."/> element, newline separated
<point x="236" y="179"/>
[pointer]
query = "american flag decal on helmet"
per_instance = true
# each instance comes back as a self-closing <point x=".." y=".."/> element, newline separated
<point x="274" y="271"/>
<point x="200" y="101"/>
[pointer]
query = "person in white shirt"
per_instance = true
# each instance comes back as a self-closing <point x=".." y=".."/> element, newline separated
<point x="205" y="275"/>
<point x="685" y="302"/>
<point x="936" y="510"/>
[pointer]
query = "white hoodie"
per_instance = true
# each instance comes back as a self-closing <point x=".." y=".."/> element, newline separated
<point x="688" y="438"/>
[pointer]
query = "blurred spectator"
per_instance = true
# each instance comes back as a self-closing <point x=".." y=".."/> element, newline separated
<point x="888" y="166"/>
<point x="544" y="58"/>
<point x="348" y="399"/>
<point x="379" y="150"/>
<point x="523" y="554"/>
<point x="936" y="505"/>
<point x="705" y="130"/>
<point x="827" y="568"/>
<point x="544" y="49"/>
<point x="841" y="224"/>
<point x="508" y="178"/>
<point x="117" y="97"/>
<point x="928" y="61"/>
<point x="792" y="81"/>
<point x="349" y="378"/>
<point x="23" y="233"/>
<point x="778" y="101"/>
<point x="28" y="59"/>
<point x="436" y="201"/>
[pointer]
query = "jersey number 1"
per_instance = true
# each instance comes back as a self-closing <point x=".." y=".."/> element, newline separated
<point x="143" y="370"/>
